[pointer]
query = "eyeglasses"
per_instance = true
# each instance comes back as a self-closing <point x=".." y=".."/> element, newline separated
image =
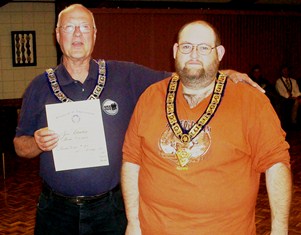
<point x="70" y="28"/>
<point x="202" y="48"/>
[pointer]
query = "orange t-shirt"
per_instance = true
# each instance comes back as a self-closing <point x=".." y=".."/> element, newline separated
<point x="215" y="191"/>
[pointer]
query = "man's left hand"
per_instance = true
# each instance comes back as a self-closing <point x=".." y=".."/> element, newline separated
<point x="242" y="77"/>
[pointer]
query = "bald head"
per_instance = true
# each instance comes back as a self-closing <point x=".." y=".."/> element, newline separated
<point x="74" y="8"/>
<point x="201" y="23"/>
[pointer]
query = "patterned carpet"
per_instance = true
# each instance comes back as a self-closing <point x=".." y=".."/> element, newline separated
<point x="20" y="190"/>
<point x="18" y="196"/>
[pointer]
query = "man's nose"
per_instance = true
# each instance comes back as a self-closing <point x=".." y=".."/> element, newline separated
<point x="194" y="53"/>
<point x="77" y="30"/>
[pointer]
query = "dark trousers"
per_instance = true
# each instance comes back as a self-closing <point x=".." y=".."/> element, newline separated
<point x="56" y="216"/>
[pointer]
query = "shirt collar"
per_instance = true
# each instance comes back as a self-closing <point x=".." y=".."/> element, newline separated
<point x="64" y="77"/>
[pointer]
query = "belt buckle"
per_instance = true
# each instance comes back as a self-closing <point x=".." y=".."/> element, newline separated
<point x="79" y="200"/>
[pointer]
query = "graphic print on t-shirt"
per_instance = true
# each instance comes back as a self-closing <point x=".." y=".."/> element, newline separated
<point x="181" y="154"/>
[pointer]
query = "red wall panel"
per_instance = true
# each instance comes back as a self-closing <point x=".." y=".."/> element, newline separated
<point x="146" y="36"/>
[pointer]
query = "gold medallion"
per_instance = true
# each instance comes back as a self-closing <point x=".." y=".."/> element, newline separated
<point x="183" y="157"/>
<point x="185" y="138"/>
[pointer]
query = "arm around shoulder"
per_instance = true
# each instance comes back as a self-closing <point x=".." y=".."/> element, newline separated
<point x="279" y="187"/>
<point x="241" y="77"/>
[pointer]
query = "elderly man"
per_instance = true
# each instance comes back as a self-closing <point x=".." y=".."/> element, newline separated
<point x="196" y="146"/>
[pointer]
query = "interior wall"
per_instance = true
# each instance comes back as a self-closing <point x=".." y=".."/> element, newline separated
<point x="25" y="16"/>
<point x="146" y="36"/>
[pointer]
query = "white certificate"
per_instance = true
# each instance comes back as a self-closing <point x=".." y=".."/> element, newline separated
<point x="82" y="141"/>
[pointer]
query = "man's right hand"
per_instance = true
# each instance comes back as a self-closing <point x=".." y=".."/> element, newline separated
<point x="46" y="139"/>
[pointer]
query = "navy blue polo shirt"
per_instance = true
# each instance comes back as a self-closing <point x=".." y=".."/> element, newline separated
<point x="124" y="83"/>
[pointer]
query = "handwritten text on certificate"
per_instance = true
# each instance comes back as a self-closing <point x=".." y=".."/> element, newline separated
<point x="82" y="140"/>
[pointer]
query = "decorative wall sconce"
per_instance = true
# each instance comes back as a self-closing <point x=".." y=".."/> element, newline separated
<point x="24" y="48"/>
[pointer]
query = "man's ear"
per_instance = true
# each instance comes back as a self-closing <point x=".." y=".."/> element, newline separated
<point x="95" y="33"/>
<point x="220" y="52"/>
<point x="57" y="34"/>
<point x="175" y="50"/>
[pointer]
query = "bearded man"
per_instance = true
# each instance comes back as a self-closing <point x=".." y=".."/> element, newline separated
<point x="197" y="145"/>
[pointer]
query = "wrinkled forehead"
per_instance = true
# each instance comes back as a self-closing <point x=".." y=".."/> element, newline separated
<point x="196" y="34"/>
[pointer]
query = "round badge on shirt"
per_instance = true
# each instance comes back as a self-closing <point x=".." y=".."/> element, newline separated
<point x="110" y="107"/>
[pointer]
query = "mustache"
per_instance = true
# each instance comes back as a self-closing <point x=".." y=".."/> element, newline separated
<point x="194" y="62"/>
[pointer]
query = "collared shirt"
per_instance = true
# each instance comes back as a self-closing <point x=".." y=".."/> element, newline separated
<point x="284" y="92"/>
<point x="124" y="84"/>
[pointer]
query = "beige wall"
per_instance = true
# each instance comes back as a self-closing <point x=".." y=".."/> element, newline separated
<point x="19" y="16"/>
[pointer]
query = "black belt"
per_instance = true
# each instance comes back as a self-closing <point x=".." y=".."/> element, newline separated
<point x="77" y="200"/>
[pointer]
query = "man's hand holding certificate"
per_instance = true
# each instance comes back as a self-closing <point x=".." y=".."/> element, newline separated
<point x="82" y="140"/>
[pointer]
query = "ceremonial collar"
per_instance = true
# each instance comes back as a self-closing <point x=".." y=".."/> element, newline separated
<point x="64" y="78"/>
<point x="185" y="136"/>
<point x="56" y="86"/>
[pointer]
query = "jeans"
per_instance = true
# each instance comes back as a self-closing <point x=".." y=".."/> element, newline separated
<point x="106" y="216"/>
